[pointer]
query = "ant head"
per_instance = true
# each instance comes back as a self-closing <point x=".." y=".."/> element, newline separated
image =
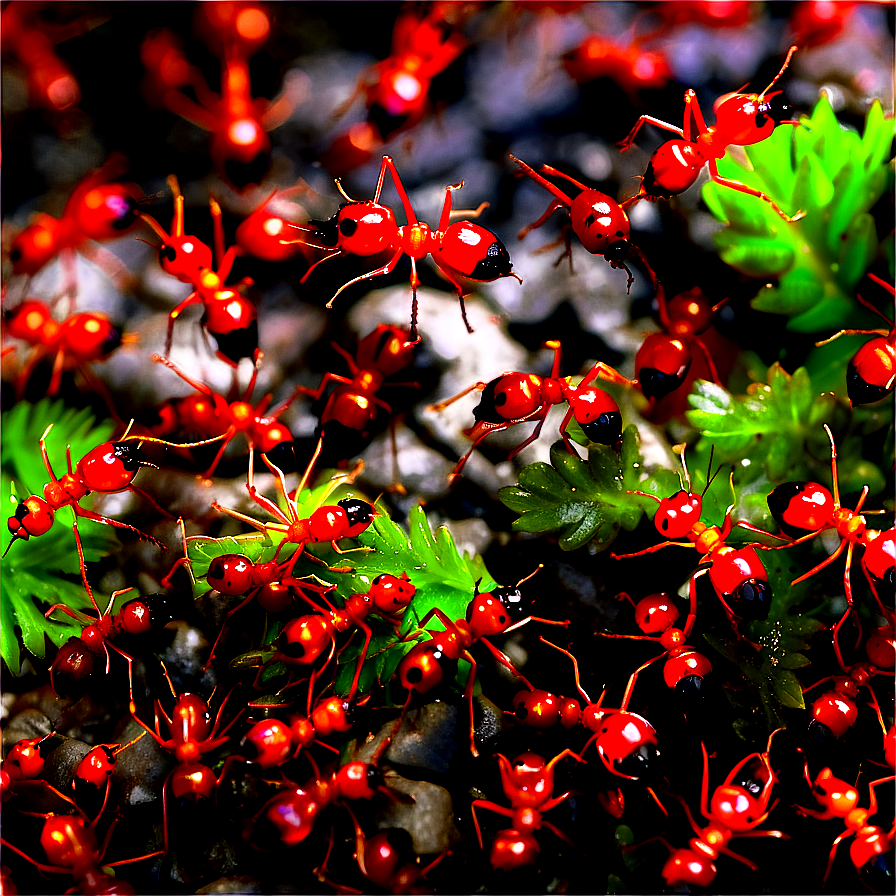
<point x="90" y="335"/>
<point x="514" y="396"/>
<point x="35" y="245"/>
<point x="365" y="228"/>
<point x="386" y="349"/>
<point x="492" y="612"/>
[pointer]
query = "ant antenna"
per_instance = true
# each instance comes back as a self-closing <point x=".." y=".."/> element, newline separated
<point x="790" y="53"/>
<point x="526" y="579"/>
<point x="711" y="478"/>
<point x="679" y="450"/>
<point x="339" y="187"/>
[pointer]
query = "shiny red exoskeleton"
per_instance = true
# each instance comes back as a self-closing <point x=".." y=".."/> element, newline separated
<point x="24" y="762"/>
<point x="210" y="415"/>
<point x="742" y="119"/>
<point x="261" y="234"/>
<point x="351" y="409"/>
<point x="520" y="397"/>
<point x="656" y="616"/>
<point x="192" y="734"/>
<point x="528" y="783"/>
<point x="70" y="845"/>
<point x="426" y="39"/>
<point x="871" y="373"/>
<point x="737" y="574"/>
<point x="462" y="250"/>
<point x="288" y="818"/>
<point x="599" y="222"/>
<point x="347" y="518"/>
<point x="871" y="850"/>
<point x="736" y="810"/>
<point x="97" y="211"/>
<point x="75" y="661"/>
<point x="628" y="64"/>
<point x="228" y="315"/>
<point x="110" y="467"/>
<point x="808" y="507"/>
<point x="433" y="662"/>
<point x="238" y="122"/>
<point x="272" y="742"/>
<point x="305" y="638"/>
<point x="73" y="344"/>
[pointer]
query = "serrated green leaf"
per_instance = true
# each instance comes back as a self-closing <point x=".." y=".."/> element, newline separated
<point x="835" y="177"/>
<point x="585" y="500"/>
<point x="789" y="691"/>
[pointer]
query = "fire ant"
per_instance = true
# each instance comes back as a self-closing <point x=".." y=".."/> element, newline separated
<point x="71" y="848"/>
<point x="347" y="518"/>
<point x="869" y="850"/>
<point x="74" y="343"/>
<point x="742" y="119"/>
<point x="97" y="211"/>
<point x="528" y="783"/>
<point x="239" y="124"/>
<point x="213" y="416"/>
<point x="261" y="234"/>
<point x="228" y="315"/>
<point x="808" y="507"/>
<point x="432" y="662"/>
<point x="462" y="250"/>
<point x="872" y="371"/>
<point x="736" y="810"/>
<point x="396" y="90"/>
<point x="600" y="223"/>
<point x="24" y="762"/>
<point x="191" y="734"/>
<point x="685" y="668"/>
<point x="737" y="574"/>
<point x="351" y="409"/>
<point x="108" y="468"/>
<point x="288" y="818"/>
<point x="519" y="397"/>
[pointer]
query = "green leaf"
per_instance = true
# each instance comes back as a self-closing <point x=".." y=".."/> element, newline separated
<point x="39" y="569"/>
<point x="586" y="501"/>
<point x="835" y="177"/>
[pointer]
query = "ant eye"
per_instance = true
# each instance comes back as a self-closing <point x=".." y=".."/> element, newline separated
<point x="348" y="227"/>
<point x="762" y="118"/>
<point x="617" y="251"/>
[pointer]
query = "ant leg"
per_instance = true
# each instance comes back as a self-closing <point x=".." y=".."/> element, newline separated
<point x="230" y="613"/>
<point x="196" y="384"/>
<point x="533" y="437"/>
<point x="647" y="119"/>
<point x="441" y="405"/>
<point x="630" y="686"/>
<point x="368" y="634"/>
<point x="653" y="549"/>
<point x="150" y="500"/>
<point x="192" y="299"/>
<point x="553" y="207"/>
<point x="563" y="201"/>
<point x="743" y="188"/>
<point x="853" y="333"/>
<point x="492" y="807"/>
<point x="97" y="518"/>
<point x="468" y="697"/>
<point x="826" y="562"/>
<point x="445" y="215"/>
<point x="385" y="269"/>
<point x="463" y="461"/>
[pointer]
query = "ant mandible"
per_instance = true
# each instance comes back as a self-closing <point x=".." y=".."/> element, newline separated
<point x="872" y="371"/>
<point x="599" y="222"/>
<point x="519" y="397"/>
<point x="528" y="783"/>
<point x="742" y="119"/>
<point x="736" y="810"/>
<point x="461" y="250"/>
<point x="228" y="315"/>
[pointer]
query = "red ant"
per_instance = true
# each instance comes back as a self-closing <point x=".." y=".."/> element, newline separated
<point x="347" y="518"/>
<point x="519" y="397"/>
<point x="71" y="848"/>
<point x="75" y="660"/>
<point x="214" y="416"/>
<point x="432" y="662"/>
<point x="737" y="574"/>
<point x="685" y="667"/>
<point x="600" y="223"/>
<point x="735" y="810"/>
<point x="288" y="818"/>
<point x="97" y="211"/>
<point x="396" y="90"/>
<point x="24" y="762"/>
<point x="228" y="315"/>
<point x="239" y="124"/>
<point x="108" y="468"/>
<point x="462" y="250"/>
<point x="528" y="783"/>
<point x="352" y="407"/>
<point x="245" y="23"/>
<point x="261" y="234"/>
<point x="869" y="849"/>
<point x="631" y="67"/>
<point x="808" y="507"/>
<point x="191" y="734"/>
<point x="74" y="343"/>
<point x="872" y="371"/>
<point x="742" y="119"/>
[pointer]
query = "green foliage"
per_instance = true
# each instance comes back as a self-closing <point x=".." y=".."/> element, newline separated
<point x="775" y="433"/>
<point x="784" y="642"/>
<point x="41" y="569"/>
<point x="586" y="501"/>
<point x="442" y="577"/>
<point x="835" y="177"/>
